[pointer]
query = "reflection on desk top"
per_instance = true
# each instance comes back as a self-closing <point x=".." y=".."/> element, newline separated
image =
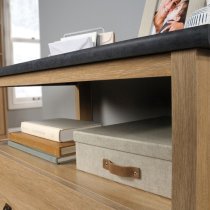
<point x="197" y="37"/>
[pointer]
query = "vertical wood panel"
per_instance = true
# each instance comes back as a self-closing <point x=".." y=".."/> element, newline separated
<point x="2" y="127"/>
<point x="191" y="137"/>
<point x="203" y="134"/>
<point x="3" y="123"/>
<point x="84" y="101"/>
<point x="3" y="111"/>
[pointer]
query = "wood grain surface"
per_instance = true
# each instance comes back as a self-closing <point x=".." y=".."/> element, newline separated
<point x="28" y="189"/>
<point x="4" y="201"/>
<point x="106" y="192"/>
<point x="3" y="114"/>
<point x="83" y="98"/>
<point x="3" y="118"/>
<point x="191" y="133"/>
<point x="141" y="67"/>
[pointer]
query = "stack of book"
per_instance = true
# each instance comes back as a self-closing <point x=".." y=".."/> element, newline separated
<point x="51" y="140"/>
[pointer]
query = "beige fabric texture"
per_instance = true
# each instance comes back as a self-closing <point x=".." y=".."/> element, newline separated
<point x="156" y="174"/>
<point x="146" y="144"/>
<point x="150" y="138"/>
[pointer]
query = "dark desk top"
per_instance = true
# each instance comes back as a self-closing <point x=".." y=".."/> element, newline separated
<point x="198" y="37"/>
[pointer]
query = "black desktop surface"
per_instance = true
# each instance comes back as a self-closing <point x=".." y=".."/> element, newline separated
<point x="197" y="37"/>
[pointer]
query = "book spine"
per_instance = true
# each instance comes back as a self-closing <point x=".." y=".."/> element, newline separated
<point x="33" y="152"/>
<point x="41" y="131"/>
<point x="67" y="150"/>
<point x="30" y="141"/>
<point x="66" y="159"/>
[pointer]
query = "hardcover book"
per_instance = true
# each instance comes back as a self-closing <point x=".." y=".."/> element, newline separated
<point x="57" y="149"/>
<point x="42" y="155"/>
<point x="59" y="129"/>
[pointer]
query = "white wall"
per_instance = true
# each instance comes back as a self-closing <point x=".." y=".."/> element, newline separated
<point x="15" y="117"/>
<point x="63" y="16"/>
<point x="58" y="101"/>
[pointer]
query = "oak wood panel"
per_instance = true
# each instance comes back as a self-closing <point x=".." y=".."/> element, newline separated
<point x="29" y="189"/>
<point x="3" y="120"/>
<point x="191" y="134"/>
<point x="203" y="133"/>
<point x="4" y="200"/>
<point x="3" y="137"/>
<point x="2" y="50"/>
<point x="83" y="100"/>
<point x="141" y="67"/>
<point x="2" y="127"/>
<point x="108" y="192"/>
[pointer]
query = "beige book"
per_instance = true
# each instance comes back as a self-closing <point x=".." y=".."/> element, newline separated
<point x="59" y="129"/>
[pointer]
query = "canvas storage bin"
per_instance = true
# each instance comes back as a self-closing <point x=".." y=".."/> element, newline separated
<point x="138" y="154"/>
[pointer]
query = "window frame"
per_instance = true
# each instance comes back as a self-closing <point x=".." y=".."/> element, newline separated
<point x="22" y="103"/>
<point x="13" y="101"/>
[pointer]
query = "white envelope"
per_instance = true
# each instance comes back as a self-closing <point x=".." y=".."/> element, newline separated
<point x="70" y="45"/>
<point x="92" y="35"/>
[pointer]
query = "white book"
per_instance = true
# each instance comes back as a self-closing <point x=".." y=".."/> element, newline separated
<point x="59" y="129"/>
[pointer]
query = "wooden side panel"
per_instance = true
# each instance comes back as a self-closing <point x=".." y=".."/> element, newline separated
<point x="3" y="123"/>
<point x="84" y="101"/>
<point x="191" y="136"/>
<point x="203" y="134"/>
<point x="2" y="128"/>
<point x="3" y="111"/>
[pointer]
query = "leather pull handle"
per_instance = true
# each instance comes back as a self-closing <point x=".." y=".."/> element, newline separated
<point x="121" y="170"/>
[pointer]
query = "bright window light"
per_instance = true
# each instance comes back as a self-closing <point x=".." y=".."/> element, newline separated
<point x="31" y="51"/>
<point x="22" y="92"/>
<point x="24" y="18"/>
<point x="24" y="97"/>
<point x="25" y="43"/>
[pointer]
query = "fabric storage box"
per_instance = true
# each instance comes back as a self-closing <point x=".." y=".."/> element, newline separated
<point x="138" y="154"/>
